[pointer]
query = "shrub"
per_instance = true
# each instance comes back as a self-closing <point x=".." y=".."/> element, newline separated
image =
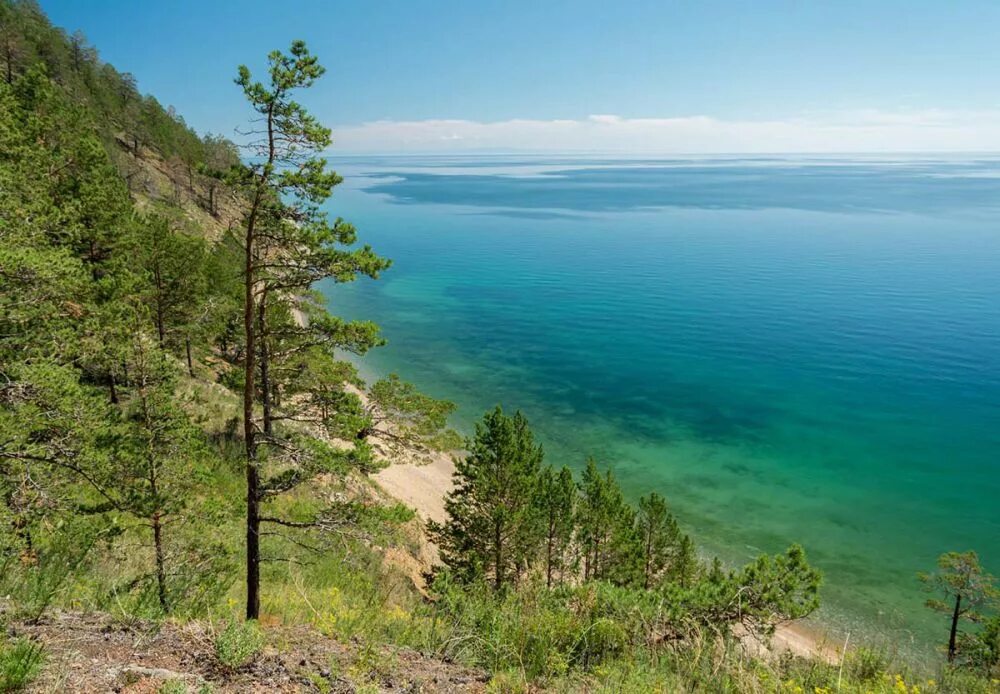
<point x="174" y="686"/>
<point x="867" y="665"/>
<point x="239" y="644"/>
<point x="20" y="662"/>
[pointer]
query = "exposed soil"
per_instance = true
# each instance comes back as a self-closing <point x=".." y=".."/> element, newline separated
<point x="95" y="653"/>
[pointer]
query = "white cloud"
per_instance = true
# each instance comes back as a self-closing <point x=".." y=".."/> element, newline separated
<point x="854" y="131"/>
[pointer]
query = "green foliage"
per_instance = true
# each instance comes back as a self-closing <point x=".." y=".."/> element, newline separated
<point x="608" y="538"/>
<point x="121" y="471"/>
<point x="493" y="527"/>
<point x="960" y="575"/>
<point x="981" y="651"/>
<point x="548" y="635"/>
<point x="288" y="244"/>
<point x="666" y="551"/>
<point x="172" y="282"/>
<point x="37" y="576"/>
<point x="405" y="421"/>
<point x="20" y="662"/>
<point x="30" y="41"/>
<point x="239" y="644"/>
<point x="174" y="686"/>
<point x="772" y="590"/>
<point x="867" y="665"/>
<point x="966" y="589"/>
<point x="557" y="499"/>
<point x="95" y="447"/>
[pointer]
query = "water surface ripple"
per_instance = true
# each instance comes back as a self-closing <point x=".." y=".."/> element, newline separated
<point x="789" y="349"/>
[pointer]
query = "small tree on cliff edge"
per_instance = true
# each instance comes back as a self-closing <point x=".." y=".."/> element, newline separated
<point x="493" y="527"/>
<point x="966" y="589"/>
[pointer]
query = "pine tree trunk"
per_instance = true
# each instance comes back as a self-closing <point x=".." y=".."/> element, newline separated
<point x="113" y="391"/>
<point x="954" y="628"/>
<point x="187" y="348"/>
<point x="649" y="552"/>
<point x="498" y="555"/>
<point x="548" y="565"/>
<point x="161" y="572"/>
<point x="265" y="377"/>
<point x="548" y="554"/>
<point x="249" y="392"/>
<point x="249" y="434"/>
<point x="253" y="542"/>
<point x="161" y="328"/>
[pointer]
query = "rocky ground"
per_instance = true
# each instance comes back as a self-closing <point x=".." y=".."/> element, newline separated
<point x="95" y="653"/>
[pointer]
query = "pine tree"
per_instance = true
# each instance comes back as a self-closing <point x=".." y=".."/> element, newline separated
<point x="221" y="156"/>
<point x="658" y="532"/>
<point x="593" y="518"/>
<point x="772" y="590"/>
<point x="684" y="565"/>
<point x="288" y="244"/>
<point x="50" y="426"/>
<point x="401" y="420"/>
<point x="966" y="589"/>
<point x="13" y="51"/>
<point x="608" y="537"/>
<point x="77" y="273"/>
<point x="667" y="553"/>
<point x="152" y="455"/>
<point x="172" y="265"/>
<point x="493" y="528"/>
<point x="557" y="495"/>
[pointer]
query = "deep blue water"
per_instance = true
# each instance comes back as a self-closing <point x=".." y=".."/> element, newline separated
<point x="789" y="349"/>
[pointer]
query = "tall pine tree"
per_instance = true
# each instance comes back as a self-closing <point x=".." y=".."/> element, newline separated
<point x="288" y="244"/>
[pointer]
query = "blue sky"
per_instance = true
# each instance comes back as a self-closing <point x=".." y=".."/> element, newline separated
<point x="512" y="74"/>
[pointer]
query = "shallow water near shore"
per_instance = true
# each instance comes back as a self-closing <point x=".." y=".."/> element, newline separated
<point x="790" y="349"/>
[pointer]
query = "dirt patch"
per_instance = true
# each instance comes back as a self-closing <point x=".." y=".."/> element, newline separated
<point x="95" y="653"/>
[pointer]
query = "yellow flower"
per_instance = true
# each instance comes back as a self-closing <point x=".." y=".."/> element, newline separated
<point x="397" y="613"/>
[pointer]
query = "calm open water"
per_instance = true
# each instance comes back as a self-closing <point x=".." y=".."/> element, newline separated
<point x="790" y="349"/>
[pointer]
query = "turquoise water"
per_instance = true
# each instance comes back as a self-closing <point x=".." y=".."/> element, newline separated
<point x="791" y="350"/>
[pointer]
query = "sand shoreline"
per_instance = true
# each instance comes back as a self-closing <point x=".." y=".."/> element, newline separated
<point x="423" y="487"/>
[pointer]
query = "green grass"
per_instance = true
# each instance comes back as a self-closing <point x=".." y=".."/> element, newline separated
<point x="20" y="662"/>
<point x="239" y="644"/>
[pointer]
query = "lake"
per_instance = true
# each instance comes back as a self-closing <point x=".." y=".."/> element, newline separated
<point x="790" y="349"/>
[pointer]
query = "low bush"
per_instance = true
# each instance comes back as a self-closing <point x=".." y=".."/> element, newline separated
<point x="239" y="644"/>
<point x="20" y="662"/>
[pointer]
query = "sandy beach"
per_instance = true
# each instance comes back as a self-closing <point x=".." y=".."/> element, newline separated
<point x="421" y="487"/>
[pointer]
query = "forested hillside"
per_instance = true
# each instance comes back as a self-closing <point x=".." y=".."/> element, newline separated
<point x="186" y="450"/>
